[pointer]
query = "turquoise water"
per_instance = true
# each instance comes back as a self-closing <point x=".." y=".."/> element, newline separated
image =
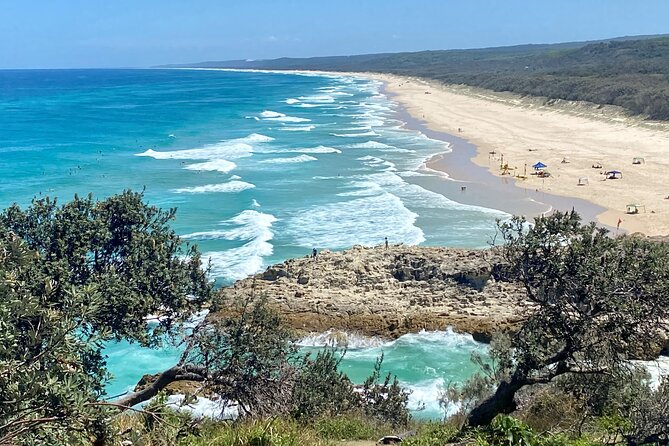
<point x="261" y="167"/>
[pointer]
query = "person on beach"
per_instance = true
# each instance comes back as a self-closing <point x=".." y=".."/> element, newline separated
<point x="386" y="242"/>
<point x="314" y="253"/>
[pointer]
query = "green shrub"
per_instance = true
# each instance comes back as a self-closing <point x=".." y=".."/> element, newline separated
<point x="266" y="432"/>
<point x="321" y="388"/>
<point x="387" y="400"/>
<point x="509" y="431"/>
<point x="432" y="434"/>
<point x="349" y="427"/>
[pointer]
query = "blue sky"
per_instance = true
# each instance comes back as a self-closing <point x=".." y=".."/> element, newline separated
<point x="117" y="33"/>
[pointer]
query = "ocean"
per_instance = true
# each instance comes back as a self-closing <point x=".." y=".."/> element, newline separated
<point x="260" y="166"/>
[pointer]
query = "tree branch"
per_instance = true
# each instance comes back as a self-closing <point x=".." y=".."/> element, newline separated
<point x="184" y="372"/>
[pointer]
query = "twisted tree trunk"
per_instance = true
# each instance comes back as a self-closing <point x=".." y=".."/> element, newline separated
<point x="185" y="372"/>
<point x="502" y="401"/>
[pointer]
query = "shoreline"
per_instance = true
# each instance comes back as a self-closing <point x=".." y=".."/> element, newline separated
<point x="483" y="188"/>
<point x="495" y="128"/>
<point x="522" y="126"/>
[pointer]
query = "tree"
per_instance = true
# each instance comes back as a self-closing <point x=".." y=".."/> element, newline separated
<point x="598" y="302"/>
<point x="244" y="357"/>
<point x="75" y="276"/>
<point x="71" y="278"/>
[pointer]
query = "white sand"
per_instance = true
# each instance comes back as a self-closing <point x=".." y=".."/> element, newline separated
<point x="527" y="130"/>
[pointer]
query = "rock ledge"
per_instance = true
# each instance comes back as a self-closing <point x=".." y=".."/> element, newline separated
<point x="390" y="292"/>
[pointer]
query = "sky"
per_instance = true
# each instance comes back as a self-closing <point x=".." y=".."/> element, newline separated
<point x="141" y="33"/>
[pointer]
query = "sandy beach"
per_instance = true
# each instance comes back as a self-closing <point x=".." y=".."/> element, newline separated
<point x="568" y="137"/>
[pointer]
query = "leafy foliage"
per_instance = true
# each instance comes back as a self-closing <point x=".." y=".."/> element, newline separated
<point x="71" y="278"/>
<point x="123" y="248"/>
<point x="47" y="373"/>
<point x="598" y="302"/>
<point x="631" y="73"/>
<point x="431" y="434"/>
<point x="385" y="400"/>
<point x="644" y="416"/>
<point x="246" y="358"/>
<point x="321" y="389"/>
<point x="349" y="427"/>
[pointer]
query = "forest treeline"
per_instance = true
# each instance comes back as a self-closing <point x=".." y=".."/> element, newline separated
<point x="633" y="74"/>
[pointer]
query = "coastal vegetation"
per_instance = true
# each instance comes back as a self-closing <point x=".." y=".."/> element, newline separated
<point x="632" y="73"/>
<point x="77" y="275"/>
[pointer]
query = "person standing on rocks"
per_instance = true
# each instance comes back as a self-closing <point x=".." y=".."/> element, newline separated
<point x="386" y="240"/>
<point x="314" y="253"/>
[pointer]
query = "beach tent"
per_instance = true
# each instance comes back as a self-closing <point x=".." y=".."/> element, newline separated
<point x="582" y="181"/>
<point x="539" y="165"/>
<point x="638" y="160"/>
<point x="634" y="208"/>
<point x="613" y="174"/>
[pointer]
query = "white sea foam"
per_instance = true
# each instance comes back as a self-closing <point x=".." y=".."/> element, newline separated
<point x="229" y="187"/>
<point x="291" y="160"/>
<point x="397" y="150"/>
<point x="355" y="135"/>
<point x="370" y="145"/>
<point x="447" y="339"/>
<point x="255" y="203"/>
<point x="319" y="149"/>
<point x="252" y="227"/>
<point x="370" y="159"/>
<point x="657" y="369"/>
<point x="298" y="128"/>
<point x="434" y="172"/>
<point x="255" y="137"/>
<point x="270" y="115"/>
<point x="413" y="173"/>
<point x="424" y="396"/>
<point x="320" y="98"/>
<point x="425" y="393"/>
<point x="291" y="101"/>
<point x="204" y="407"/>
<point x="374" y="161"/>
<point x="356" y="129"/>
<point x="337" y="338"/>
<point x="232" y="149"/>
<point x="289" y="119"/>
<point x="373" y="217"/>
<point x="388" y="181"/>
<point x="219" y="165"/>
<point x="235" y="177"/>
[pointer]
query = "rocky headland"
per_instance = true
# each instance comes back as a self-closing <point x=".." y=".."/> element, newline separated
<point x="388" y="292"/>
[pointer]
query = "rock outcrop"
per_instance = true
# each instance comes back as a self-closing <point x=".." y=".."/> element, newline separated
<point x="391" y="292"/>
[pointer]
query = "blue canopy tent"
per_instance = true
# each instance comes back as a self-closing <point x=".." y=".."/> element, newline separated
<point x="613" y="174"/>
<point x="539" y="165"/>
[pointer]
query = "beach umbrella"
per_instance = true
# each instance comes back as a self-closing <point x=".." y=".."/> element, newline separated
<point x="539" y="165"/>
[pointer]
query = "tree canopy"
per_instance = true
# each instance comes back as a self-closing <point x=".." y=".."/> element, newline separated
<point x="632" y="73"/>
<point x="77" y="275"/>
<point x="72" y="277"/>
<point x="598" y="302"/>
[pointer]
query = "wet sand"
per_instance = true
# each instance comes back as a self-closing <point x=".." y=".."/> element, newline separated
<point x="482" y="188"/>
<point x="570" y="137"/>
